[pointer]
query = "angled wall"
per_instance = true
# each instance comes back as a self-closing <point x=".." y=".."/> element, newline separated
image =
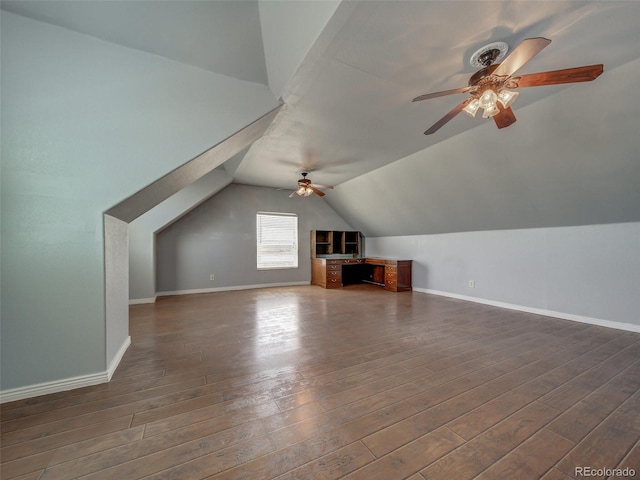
<point x="142" y="268"/>
<point x="85" y="124"/>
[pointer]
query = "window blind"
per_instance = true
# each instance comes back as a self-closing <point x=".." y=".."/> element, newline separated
<point x="277" y="240"/>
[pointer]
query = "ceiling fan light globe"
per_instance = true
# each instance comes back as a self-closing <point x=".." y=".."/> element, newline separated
<point x="307" y="192"/>
<point x="491" y="111"/>
<point x="472" y="107"/>
<point x="488" y="99"/>
<point x="507" y="97"/>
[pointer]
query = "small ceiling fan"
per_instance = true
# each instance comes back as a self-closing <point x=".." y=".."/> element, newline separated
<point x="306" y="188"/>
<point x="489" y="87"/>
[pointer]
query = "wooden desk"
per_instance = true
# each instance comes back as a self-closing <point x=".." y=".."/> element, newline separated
<point x="392" y="275"/>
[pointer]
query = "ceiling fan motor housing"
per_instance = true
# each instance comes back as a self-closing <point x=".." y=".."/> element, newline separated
<point x="488" y="57"/>
<point x="480" y="75"/>
<point x="489" y="54"/>
<point x="304" y="179"/>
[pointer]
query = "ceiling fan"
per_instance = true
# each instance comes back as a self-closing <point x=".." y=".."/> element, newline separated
<point x="306" y="188"/>
<point x="489" y="87"/>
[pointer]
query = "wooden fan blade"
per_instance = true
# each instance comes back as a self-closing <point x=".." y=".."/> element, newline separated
<point x="505" y="118"/>
<point x="524" y="52"/>
<point x="293" y="194"/>
<point x="436" y="126"/>
<point x="316" y="191"/>
<point x="426" y="96"/>
<point x="567" y="75"/>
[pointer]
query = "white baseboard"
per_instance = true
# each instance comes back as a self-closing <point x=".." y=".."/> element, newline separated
<point x="117" y="358"/>
<point x="63" y="385"/>
<point x="538" y="311"/>
<point x="141" y="301"/>
<point x="235" y="287"/>
<point x="46" y="388"/>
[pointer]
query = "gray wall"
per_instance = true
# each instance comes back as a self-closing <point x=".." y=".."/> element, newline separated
<point x="116" y="305"/>
<point x="85" y="124"/>
<point x="142" y="271"/>
<point x="590" y="271"/>
<point x="219" y="237"/>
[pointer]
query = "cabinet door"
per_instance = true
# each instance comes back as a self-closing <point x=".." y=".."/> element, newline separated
<point x="377" y="274"/>
<point x="403" y="277"/>
<point x="318" y="272"/>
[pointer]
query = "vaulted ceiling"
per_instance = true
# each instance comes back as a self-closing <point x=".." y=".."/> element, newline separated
<point x="571" y="158"/>
<point x="190" y="32"/>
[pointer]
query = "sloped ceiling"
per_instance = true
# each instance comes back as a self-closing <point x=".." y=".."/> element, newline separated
<point x="571" y="158"/>
<point x="557" y="166"/>
<point x="221" y="36"/>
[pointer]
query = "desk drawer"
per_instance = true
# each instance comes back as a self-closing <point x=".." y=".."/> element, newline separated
<point x="374" y="261"/>
<point x="352" y="260"/>
<point x="334" y="274"/>
<point x="334" y="262"/>
<point x="391" y="269"/>
<point x="334" y="282"/>
<point x="334" y="267"/>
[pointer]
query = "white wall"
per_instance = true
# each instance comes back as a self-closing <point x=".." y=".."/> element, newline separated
<point x="219" y="237"/>
<point x="587" y="271"/>
<point x="85" y="124"/>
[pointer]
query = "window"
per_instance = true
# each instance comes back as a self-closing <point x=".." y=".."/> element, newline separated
<point x="277" y="240"/>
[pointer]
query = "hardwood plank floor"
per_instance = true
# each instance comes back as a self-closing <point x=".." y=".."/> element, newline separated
<point x="357" y="383"/>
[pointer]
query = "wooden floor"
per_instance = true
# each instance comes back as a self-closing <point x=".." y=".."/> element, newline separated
<point x="358" y="383"/>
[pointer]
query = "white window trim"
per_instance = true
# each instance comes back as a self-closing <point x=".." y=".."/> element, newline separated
<point x="291" y="243"/>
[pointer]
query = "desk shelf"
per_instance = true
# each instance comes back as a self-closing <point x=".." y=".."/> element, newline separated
<point x="325" y="243"/>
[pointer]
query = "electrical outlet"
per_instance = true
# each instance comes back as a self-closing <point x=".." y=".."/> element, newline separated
<point x="212" y="277"/>
<point x="472" y="284"/>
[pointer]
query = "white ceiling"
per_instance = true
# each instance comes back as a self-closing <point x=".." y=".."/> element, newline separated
<point x="351" y="109"/>
<point x="348" y="106"/>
